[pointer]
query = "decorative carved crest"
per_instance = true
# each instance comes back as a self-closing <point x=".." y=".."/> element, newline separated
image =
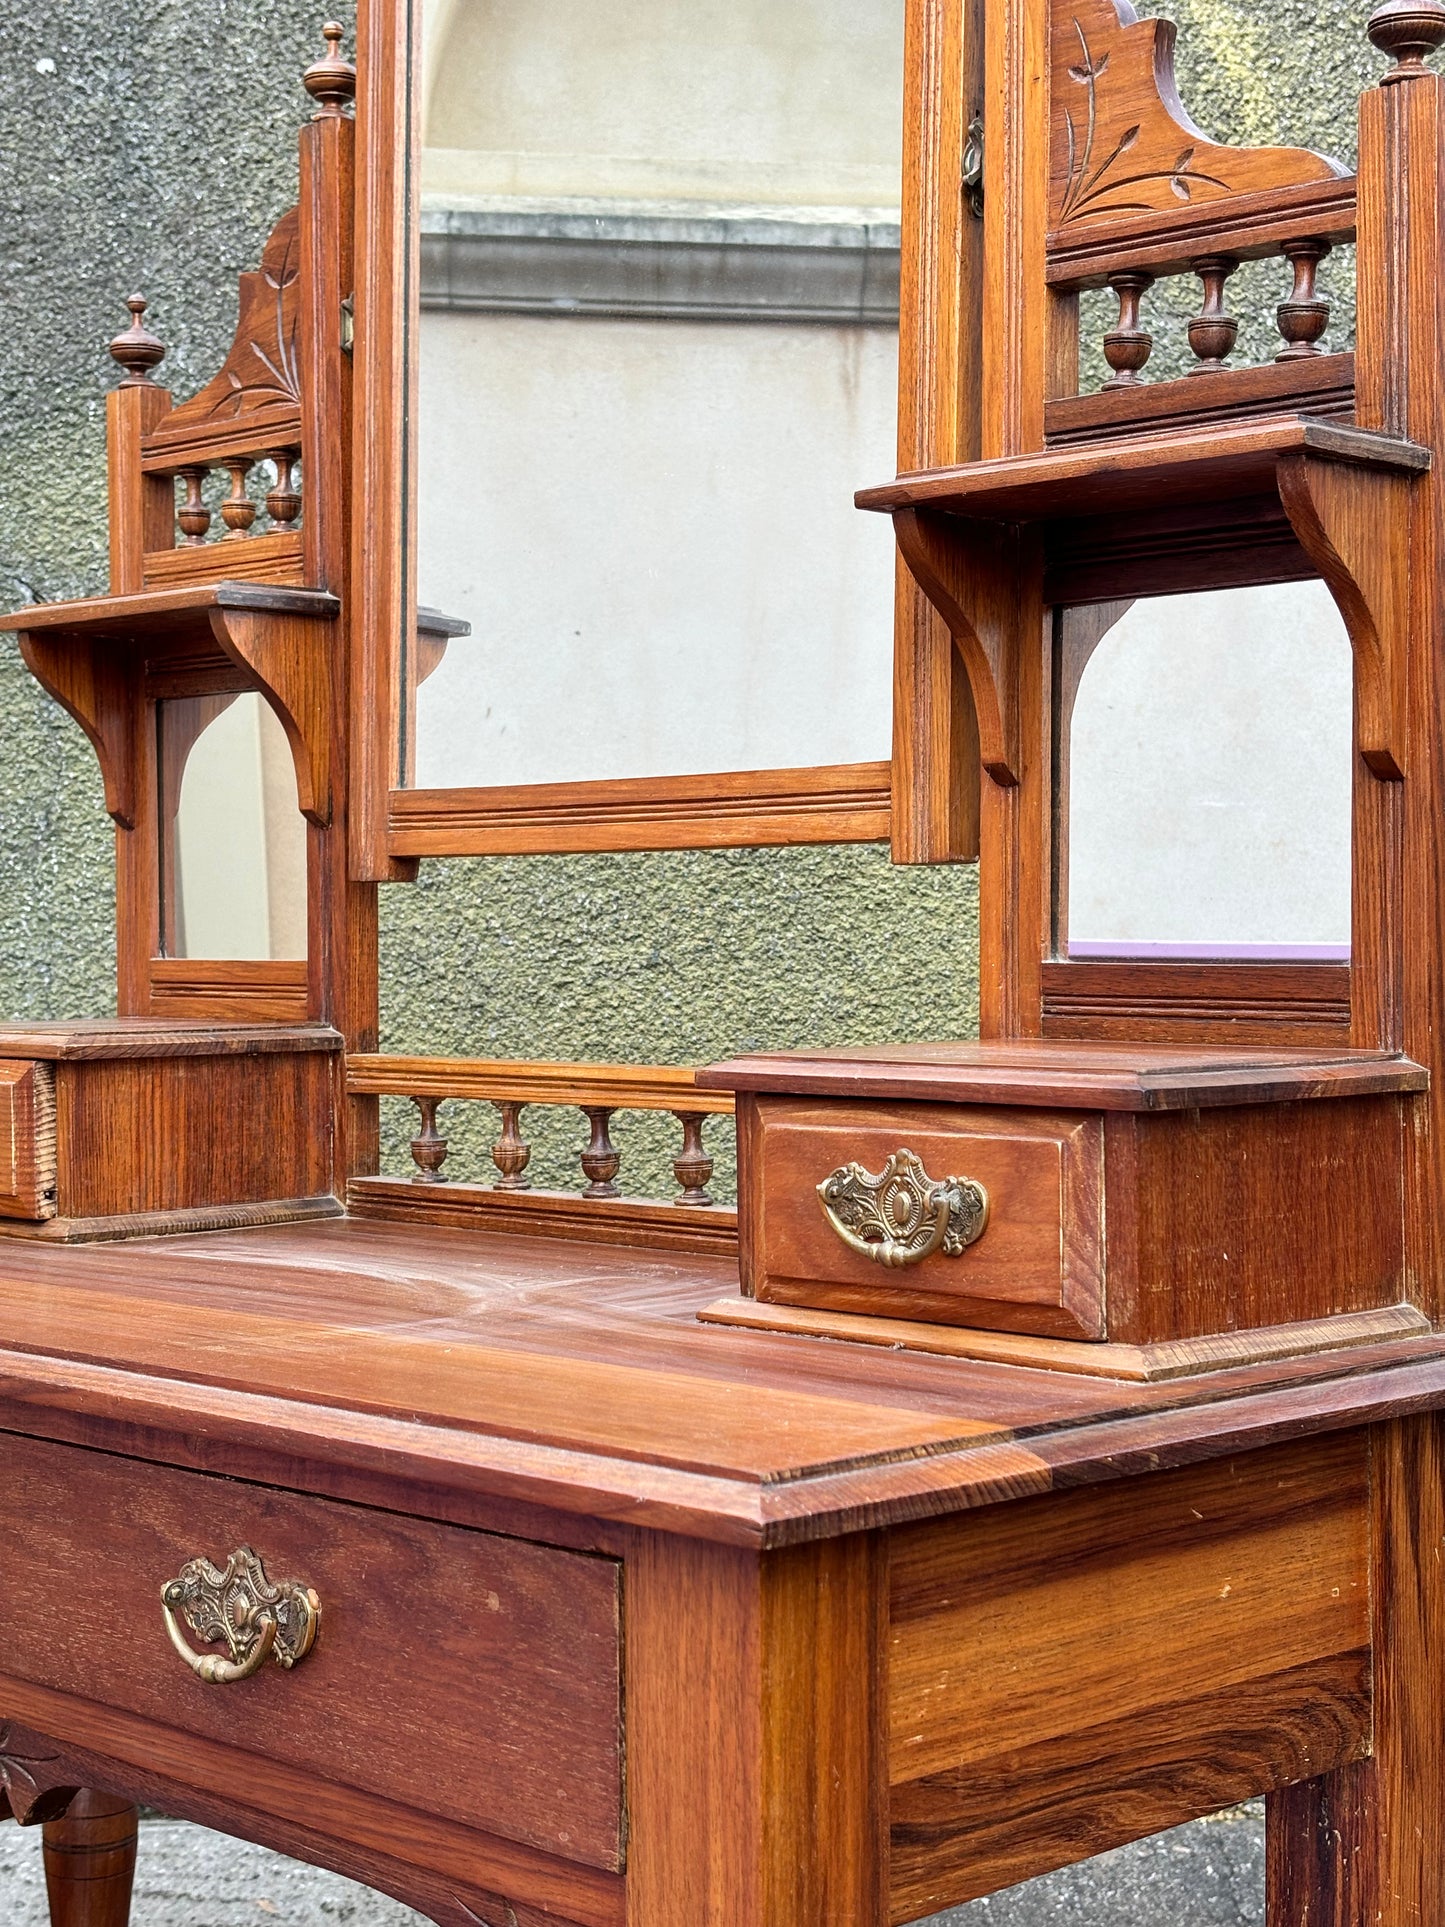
<point x="262" y="372"/>
<point x="1122" y="143"/>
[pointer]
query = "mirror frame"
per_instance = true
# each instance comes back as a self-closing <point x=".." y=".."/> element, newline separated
<point x="393" y="827"/>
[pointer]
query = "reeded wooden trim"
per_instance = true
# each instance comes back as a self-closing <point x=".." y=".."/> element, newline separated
<point x="1142" y="1364"/>
<point x="709" y="1231"/>
<point x="838" y="803"/>
<point x="173" y="1224"/>
<point x="239" y="991"/>
<point x="625" y="1087"/>
<point x="1216" y="1001"/>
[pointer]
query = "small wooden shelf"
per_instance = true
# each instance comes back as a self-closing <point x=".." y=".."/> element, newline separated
<point x="103" y="659"/>
<point x="1137" y="472"/>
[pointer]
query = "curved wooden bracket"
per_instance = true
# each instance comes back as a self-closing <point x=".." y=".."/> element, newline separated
<point x="37" y="1780"/>
<point x="970" y="572"/>
<point x="1354" y="525"/>
<point x="91" y="682"/>
<point x="288" y="657"/>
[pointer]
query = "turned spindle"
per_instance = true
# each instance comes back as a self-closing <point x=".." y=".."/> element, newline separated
<point x="331" y="81"/>
<point x="1127" y="346"/>
<point x="1213" y="330"/>
<point x="137" y="349"/>
<point x="601" y="1161"/>
<point x="238" y="511"/>
<point x="1304" y="317"/>
<point x="692" y="1167"/>
<point x="193" y="515"/>
<point x="428" y="1147"/>
<point x="283" y="504"/>
<point x="511" y="1153"/>
<point x="1407" y="30"/>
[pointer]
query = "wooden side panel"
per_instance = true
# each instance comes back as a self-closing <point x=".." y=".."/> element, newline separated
<point x="1076" y="1671"/>
<point x="27" y="1140"/>
<point x="756" y="1791"/>
<point x="163" y="1136"/>
<point x="1038" y="1266"/>
<point x="475" y="1676"/>
<point x="1254" y="1217"/>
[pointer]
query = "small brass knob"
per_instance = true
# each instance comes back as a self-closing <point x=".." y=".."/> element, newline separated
<point x="899" y="1216"/>
<point x="239" y="1606"/>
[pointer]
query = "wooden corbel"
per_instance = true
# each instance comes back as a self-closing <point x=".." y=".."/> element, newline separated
<point x="1353" y="523"/>
<point x="91" y="681"/>
<point x="288" y="658"/>
<point x="972" y="574"/>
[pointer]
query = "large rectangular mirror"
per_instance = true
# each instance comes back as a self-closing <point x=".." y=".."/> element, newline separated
<point x="652" y="349"/>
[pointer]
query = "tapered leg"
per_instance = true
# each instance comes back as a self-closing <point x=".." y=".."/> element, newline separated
<point x="90" y="1862"/>
<point x="1362" y="1847"/>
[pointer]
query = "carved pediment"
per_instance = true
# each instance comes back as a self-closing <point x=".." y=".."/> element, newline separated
<point x="1122" y="144"/>
<point x="262" y="373"/>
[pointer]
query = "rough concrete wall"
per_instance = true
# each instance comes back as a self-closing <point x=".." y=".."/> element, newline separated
<point x="150" y="144"/>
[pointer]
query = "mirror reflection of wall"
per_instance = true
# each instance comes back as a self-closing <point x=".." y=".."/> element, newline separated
<point x="658" y="355"/>
<point x="1206" y="775"/>
<point x="234" y="855"/>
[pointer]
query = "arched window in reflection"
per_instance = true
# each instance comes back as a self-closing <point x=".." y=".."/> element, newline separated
<point x="233" y="842"/>
<point x="1204" y="775"/>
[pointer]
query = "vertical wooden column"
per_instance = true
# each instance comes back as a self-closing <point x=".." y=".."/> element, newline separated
<point x="142" y="507"/>
<point x="757" y="1763"/>
<point x="1361" y="1848"/>
<point x="90" y="1862"/>
<point x="1399" y="916"/>
<point x="342" y="948"/>
<point x="935" y="729"/>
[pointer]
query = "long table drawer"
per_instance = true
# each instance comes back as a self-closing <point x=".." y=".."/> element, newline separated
<point x="480" y="1673"/>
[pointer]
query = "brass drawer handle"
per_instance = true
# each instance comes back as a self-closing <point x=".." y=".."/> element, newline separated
<point x="240" y="1606"/>
<point x="899" y="1216"/>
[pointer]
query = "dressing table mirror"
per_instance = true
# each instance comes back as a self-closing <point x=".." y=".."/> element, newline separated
<point x="1045" y="1449"/>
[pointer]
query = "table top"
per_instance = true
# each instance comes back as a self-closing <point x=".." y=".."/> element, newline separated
<point x="577" y="1378"/>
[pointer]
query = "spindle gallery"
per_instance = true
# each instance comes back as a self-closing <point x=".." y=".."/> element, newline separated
<point x="1046" y="1449"/>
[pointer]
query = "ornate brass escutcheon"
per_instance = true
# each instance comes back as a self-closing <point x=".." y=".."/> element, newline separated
<point x="257" y="1620"/>
<point x="899" y="1216"/>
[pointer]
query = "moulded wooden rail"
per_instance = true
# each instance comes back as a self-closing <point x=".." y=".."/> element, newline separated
<point x="599" y="1213"/>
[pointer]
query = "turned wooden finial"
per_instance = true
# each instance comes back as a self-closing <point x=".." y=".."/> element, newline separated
<point x="331" y="81"/>
<point x="1407" y="30"/>
<point x="137" y="349"/>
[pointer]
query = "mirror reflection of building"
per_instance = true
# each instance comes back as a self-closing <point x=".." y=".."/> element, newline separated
<point x="658" y="354"/>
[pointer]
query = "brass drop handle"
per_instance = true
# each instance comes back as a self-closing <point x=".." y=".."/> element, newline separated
<point x="255" y="1618"/>
<point x="899" y="1216"/>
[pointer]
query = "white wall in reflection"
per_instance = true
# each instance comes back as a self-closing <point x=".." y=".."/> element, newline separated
<point x="1210" y="776"/>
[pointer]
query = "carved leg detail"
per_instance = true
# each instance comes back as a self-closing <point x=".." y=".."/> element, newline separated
<point x="90" y="1862"/>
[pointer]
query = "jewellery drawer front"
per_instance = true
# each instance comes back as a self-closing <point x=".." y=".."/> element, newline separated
<point x="1030" y="1200"/>
<point x="481" y="1672"/>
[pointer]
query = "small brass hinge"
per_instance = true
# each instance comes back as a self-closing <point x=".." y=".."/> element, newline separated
<point x="348" y="324"/>
<point x="973" y="167"/>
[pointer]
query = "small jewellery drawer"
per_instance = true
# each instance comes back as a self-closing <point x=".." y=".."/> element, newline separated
<point x="481" y="1672"/>
<point x="952" y="1214"/>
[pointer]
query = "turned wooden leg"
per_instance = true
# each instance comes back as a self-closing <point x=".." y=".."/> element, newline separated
<point x="1361" y="1847"/>
<point x="90" y="1862"/>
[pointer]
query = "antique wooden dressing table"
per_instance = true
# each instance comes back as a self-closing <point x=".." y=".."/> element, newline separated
<point x="1069" y="1463"/>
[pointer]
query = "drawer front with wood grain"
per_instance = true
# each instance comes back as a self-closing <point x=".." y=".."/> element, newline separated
<point x="475" y="1676"/>
<point x="1010" y="1201"/>
<point x="27" y="1139"/>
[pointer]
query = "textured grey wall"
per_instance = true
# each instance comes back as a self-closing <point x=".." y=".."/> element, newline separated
<point x="150" y="144"/>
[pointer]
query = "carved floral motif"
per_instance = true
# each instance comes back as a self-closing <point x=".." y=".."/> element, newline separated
<point x="263" y="369"/>
<point x="1122" y="143"/>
